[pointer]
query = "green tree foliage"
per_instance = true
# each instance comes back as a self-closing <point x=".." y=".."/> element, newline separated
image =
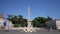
<point x="40" y="21"/>
<point x="49" y="18"/>
<point x="18" y="21"/>
<point x="10" y="17"/>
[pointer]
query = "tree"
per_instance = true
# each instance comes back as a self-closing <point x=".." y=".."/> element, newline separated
<point x="18" y="21"/>
<point x="40" y="21"/>
<point x="25" y="23"/>
<point x="15" y="20"/>
<point x="20" y="16"/>
<point x="49" y="18"/>
<point x="22" y="21"/>
<point x="10" y="17"/>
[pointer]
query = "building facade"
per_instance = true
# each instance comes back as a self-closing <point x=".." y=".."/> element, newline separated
<point x="4" y="23"/>
<point x="54" y="24"/>
<point x="8" y="24"/>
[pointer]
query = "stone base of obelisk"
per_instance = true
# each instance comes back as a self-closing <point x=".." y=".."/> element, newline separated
<point x="27" y="29"/>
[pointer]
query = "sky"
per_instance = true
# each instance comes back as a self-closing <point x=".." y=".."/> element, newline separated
<point x="41" y="8"/>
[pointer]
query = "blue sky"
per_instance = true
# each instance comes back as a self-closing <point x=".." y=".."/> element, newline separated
<point x="42" y="8"/>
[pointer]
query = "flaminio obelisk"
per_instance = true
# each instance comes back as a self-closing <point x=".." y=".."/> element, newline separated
<point x="29" y="27"/>
<point x="29" y="22"/>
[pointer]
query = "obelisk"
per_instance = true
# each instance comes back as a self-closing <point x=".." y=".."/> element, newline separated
<point x="29" y="26"/>
<point x="29" y="22"/>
